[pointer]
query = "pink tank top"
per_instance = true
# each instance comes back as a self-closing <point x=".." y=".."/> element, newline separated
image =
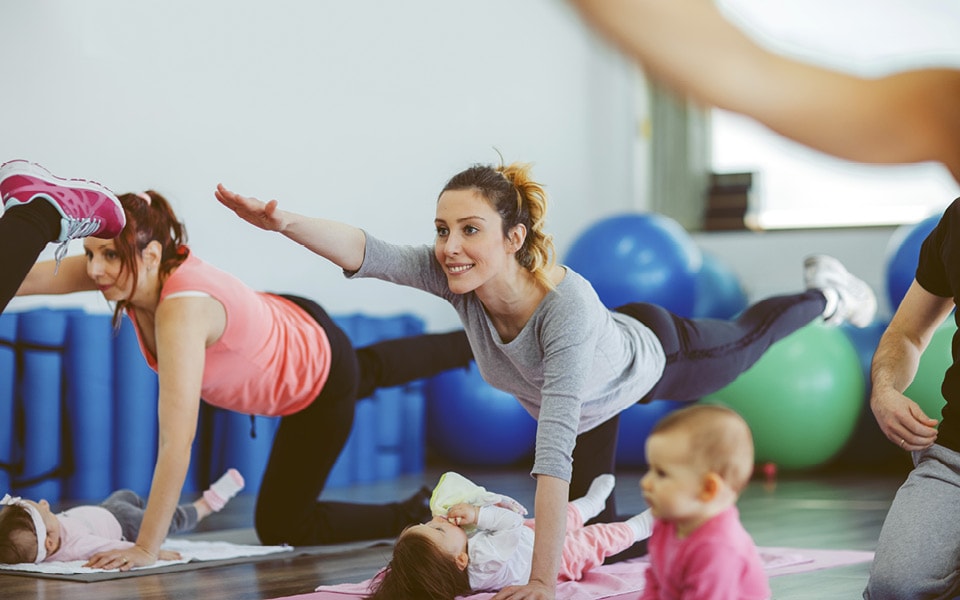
<point x="272" y="359"/>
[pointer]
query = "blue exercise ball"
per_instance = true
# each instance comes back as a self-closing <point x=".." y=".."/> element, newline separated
<point x="636" y="423"/>
<point x="639" y="258"/>
<point x="719" y="293"/>
<point x="470" y="422"/>
<point x="903" y="252"/>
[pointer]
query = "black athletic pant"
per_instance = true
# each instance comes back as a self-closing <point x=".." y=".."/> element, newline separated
<point x="308" y="443"/>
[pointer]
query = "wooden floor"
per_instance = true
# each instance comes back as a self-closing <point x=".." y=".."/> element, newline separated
<point x="825" y="510"/>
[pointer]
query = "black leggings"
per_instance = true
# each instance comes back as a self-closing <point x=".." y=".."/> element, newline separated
<point x="24" y="232"/>
<point x="308" y="443"/>
<point x="703" y="356"/>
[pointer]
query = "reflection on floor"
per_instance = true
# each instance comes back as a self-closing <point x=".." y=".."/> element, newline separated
<point x="820" y="510"/>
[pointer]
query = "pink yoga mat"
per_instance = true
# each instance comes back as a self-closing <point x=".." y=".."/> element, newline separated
<point x="624" y="580"/>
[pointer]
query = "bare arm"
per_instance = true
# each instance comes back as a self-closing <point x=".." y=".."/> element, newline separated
<point x="550" y="506"/>
<point x="341" y="244"/>
<point x="71" y="277"/>
<point x="895" y="364"/>
<point x="690" y="46"/>
<point x="183" y="329"/>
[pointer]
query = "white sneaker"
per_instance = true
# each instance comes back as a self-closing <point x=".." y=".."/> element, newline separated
<point x="849" y="298"/>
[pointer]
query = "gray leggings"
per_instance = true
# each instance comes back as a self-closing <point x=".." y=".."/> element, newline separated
<point x="128" y="507"/>
<point x="919" y="548"/>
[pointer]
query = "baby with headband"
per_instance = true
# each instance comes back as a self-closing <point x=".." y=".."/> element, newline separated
<point x="31" y="532"/>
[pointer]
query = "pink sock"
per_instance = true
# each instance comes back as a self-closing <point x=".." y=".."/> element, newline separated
<point x="224" y="489"/>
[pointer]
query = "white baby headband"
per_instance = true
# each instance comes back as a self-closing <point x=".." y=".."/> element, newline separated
<point x="9" y="500"/>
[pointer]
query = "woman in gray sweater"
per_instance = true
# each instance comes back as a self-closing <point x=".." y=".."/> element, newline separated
<point x="539" y="332"/>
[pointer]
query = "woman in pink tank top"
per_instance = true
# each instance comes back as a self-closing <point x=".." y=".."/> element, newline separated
<point x="179" y="307"/>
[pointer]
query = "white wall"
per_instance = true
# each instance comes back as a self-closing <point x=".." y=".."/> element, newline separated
<point x="358" y="111"/>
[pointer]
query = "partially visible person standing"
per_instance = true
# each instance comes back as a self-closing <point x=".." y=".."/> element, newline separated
<point x="919" y="546"/>
<point x="539" y="331"/>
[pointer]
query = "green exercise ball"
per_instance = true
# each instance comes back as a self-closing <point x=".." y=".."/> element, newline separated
<point x="802" y="399"/>
<point x="925" y="389"/>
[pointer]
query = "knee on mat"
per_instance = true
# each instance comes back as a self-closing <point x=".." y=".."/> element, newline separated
<point x="272" y="531"/>
<point x="888" y="585"/>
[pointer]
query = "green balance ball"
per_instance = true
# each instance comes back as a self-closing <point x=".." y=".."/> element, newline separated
<point x="802" y="398"/>
<point x="925" y="389"/>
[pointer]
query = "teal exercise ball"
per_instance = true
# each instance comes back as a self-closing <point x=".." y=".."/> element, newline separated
<point x="802" y="399"/>
<point x="925" y="388"/>
<point x="639" y="258"/>
<point x="868" y="447"/>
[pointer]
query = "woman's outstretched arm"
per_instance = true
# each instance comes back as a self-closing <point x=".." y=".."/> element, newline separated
<point x="691" y="47"/>
<point x="341" y="244"/>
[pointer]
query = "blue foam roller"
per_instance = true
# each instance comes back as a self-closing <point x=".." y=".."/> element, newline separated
<point x="239" y="450"/>
<point x="342" y="473"/>
<point x="366" y="330"/>
<point x="389" y="416"/>
<point x="347" y="324"/>
<point x="364" y="436"/>
<point x="135" y="414"/>
<point x="412" y="446"/>
<point x="8" y="363"/>
<point x="202" y="470"/>
<point x="389" y="463"/>
<point x="195" y="471"/>
<point x="41" y="394"/>
<point x="412" y="325"/>
<point x="88" y="365"/>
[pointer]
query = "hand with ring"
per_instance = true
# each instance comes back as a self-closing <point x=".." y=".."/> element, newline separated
<point x="124" y="559"/>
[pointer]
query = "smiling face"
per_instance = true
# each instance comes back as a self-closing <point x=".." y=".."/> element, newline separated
<point x="470" y="244"/>
<point x="106" y="270"/>
<point x="673" y="486"/>
<point x="52" y="542"/>
<point x="449" y="538"/>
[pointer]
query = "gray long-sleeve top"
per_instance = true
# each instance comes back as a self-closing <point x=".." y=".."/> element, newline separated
<point x="574" y="365"/>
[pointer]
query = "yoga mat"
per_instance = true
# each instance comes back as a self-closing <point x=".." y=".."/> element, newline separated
<point x="625" y="580"/>
<point x="43" y="332"/>
<point x="202" y="553"/>
<point x="88" y="367"/>
<point x="8" y="362"/>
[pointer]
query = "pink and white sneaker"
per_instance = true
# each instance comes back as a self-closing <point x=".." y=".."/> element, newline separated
<point x="86" y="208"/>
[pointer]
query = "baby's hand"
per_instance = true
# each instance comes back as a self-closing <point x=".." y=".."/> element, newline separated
<point x="510" y="504"/>
<point x="463" y="514"/>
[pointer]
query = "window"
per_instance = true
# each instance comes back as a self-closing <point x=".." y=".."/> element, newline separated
<point x="796" y="187"/>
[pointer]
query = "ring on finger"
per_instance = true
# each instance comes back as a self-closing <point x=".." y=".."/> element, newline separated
<point x="902" y="443"/>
